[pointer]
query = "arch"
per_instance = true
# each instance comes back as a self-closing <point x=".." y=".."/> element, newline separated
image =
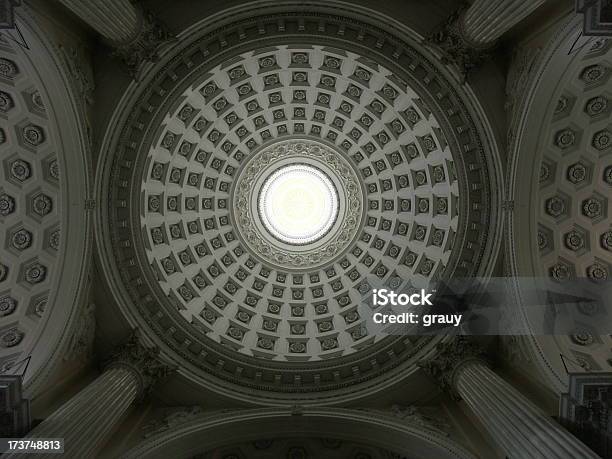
<point x="209" y="431"/>
<point x="64" y="246"/>
<point x="554" y="134"/>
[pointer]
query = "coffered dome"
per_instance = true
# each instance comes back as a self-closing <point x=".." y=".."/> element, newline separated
<point x="43" y="223"/>
<point x="560" y="228"/>
<point x="357" y="127"/>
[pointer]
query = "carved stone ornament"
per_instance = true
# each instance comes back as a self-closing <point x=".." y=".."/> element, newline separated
<point x="172" y="418"/>
<point x="143" y="361"/>
<point x="415" y="416"/>
<point x="514" y="350"/>
<point x="7" y="15"/>
<point x="81" y="78"/>
<point x="524" y="60"/>
<point x="585" y="409"/>
<point x="457" y="49"/>
<point x="597" y="17"/>
<point x="82" y="82"/>
<point x="449" y="358"/>
<point x="326" y="159"/>
<point x="80" y="347"/>
<point x="145" y="45"/>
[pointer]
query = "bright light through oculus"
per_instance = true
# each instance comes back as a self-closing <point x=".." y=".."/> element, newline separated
<point x="298" y="204"/>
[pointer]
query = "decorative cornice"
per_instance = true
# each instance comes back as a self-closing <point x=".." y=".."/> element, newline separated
<point x="143" y="361"/>
<point x="451" y="356"/>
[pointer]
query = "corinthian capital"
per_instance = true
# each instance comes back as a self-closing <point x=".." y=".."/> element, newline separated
<point x="450" y="356"/>
<point x="143" y="361"/>
<point x="145" y="44"/>
<point x="457" y="47"/>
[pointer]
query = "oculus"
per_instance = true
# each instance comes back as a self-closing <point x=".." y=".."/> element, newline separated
<point x="298" y="204"/>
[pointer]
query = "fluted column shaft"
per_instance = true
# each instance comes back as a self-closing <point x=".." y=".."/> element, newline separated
<point x="134" y="33"/>
<point x="116" y="20"/>
<point x="86" y="420"/>
<point x="487" y="20"/>
<point x="519" y="427"/>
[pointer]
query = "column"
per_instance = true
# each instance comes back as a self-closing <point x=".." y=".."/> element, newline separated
<point x="487" y="20"/>
<point x="115" y="20"/>
<point x="518" y="426"/>
<point x="86" y="420"/>
<point x="469" y="35"/>
<point x="135" y="34"/>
